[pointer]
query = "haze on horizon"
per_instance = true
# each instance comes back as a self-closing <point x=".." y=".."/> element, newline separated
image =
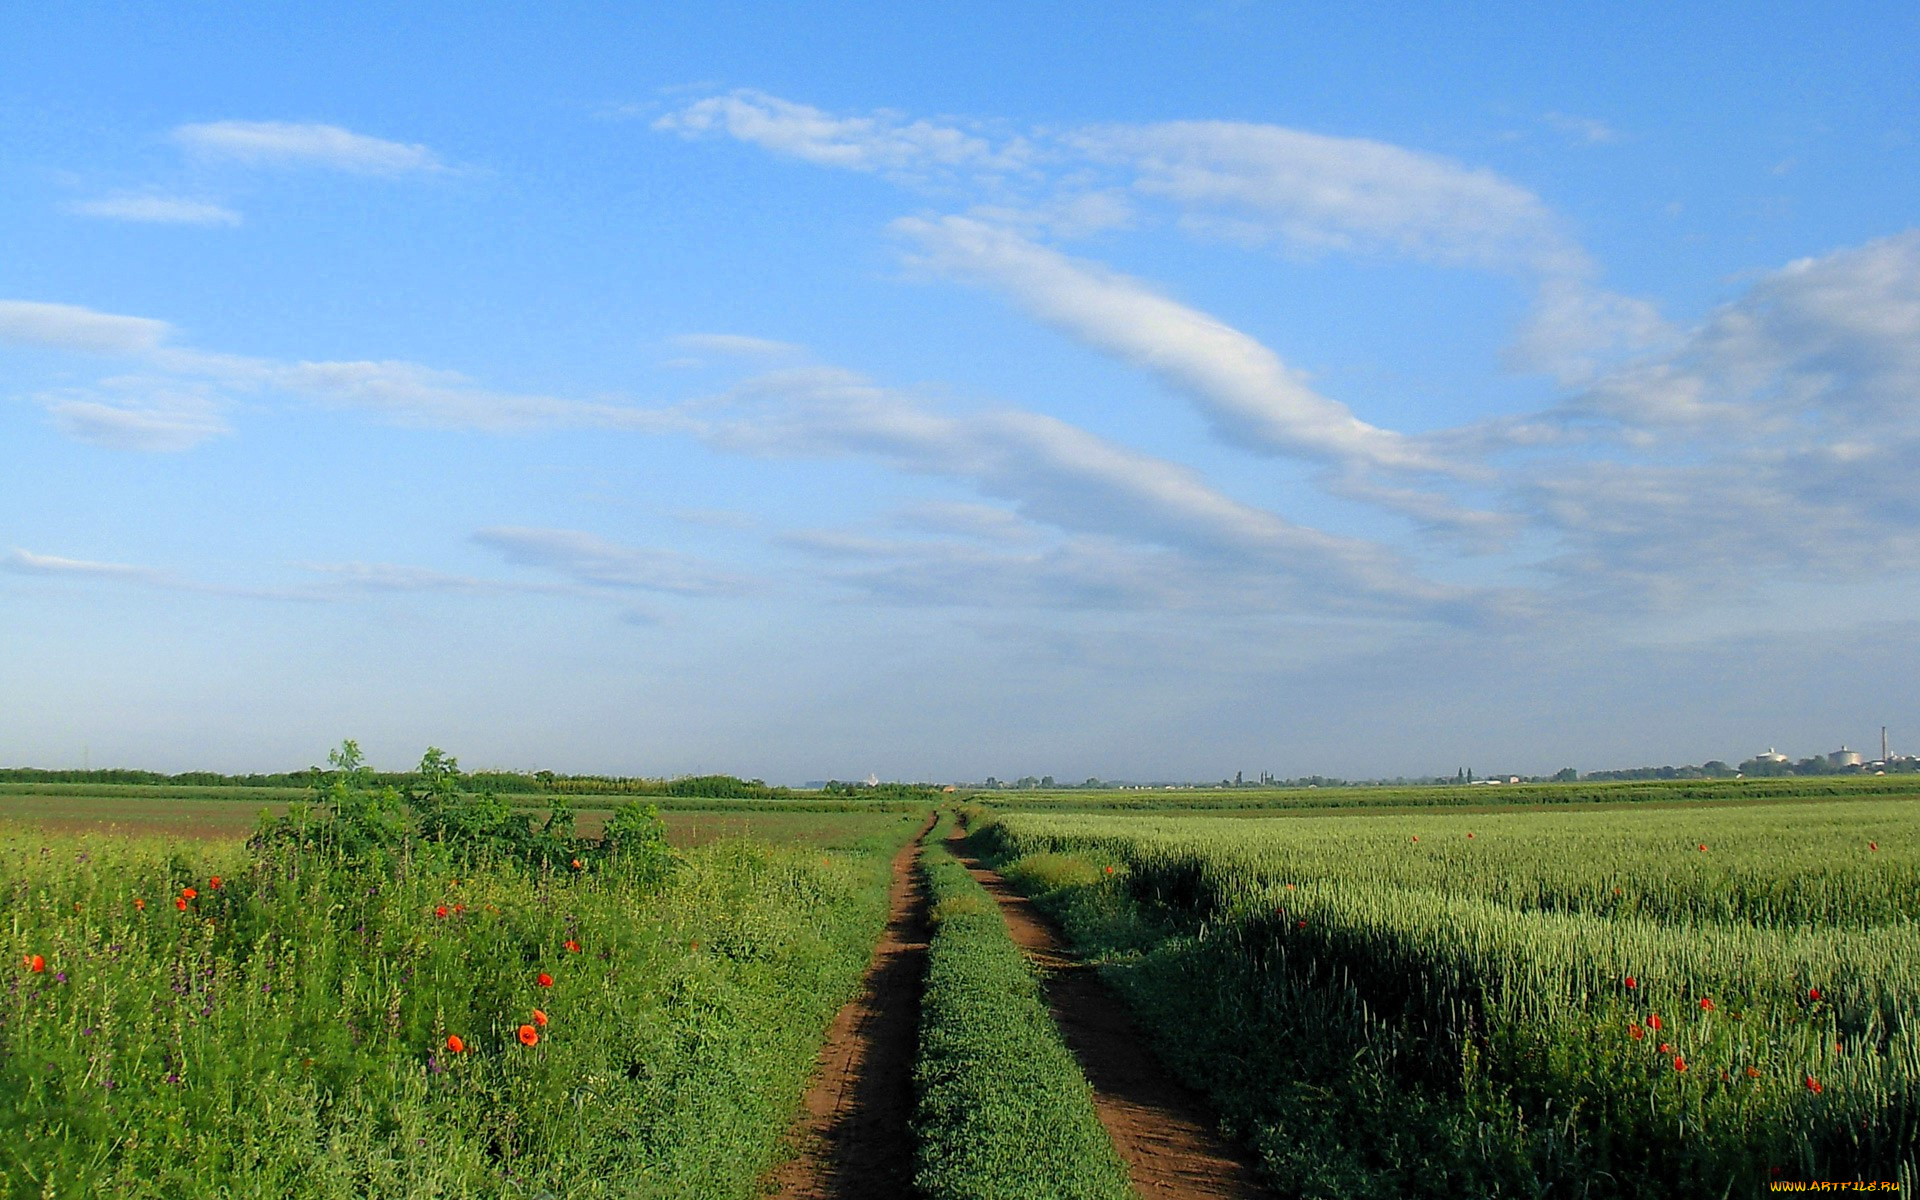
<point x="1213" y="386"/>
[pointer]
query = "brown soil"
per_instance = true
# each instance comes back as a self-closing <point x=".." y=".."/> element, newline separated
<point x="1162" y="1129"/>
<point x="853" y="1136"/>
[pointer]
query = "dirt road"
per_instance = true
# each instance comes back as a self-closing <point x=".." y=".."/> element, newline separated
<point x="1162" y="1129"/>
<point x="853" y="1134"/>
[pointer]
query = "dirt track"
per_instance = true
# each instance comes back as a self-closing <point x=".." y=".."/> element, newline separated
<point x="853" y="1135"/>
<point x="1162" y="1129"/>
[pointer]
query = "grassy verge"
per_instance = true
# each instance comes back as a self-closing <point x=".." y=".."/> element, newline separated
<point x="1003" y="1110"/>
<point x="288" y="1032"/>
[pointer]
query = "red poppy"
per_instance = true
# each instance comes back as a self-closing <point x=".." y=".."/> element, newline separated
<point x="1616" y="891"/>
<point x="1109" y="870"/>
<point x="544" y="979"/>
<point x="214" y="883"/>
<point x="1753" y="1072"/>
<point x="1679" y="1064"/>
<point x="1873" y="845"/>
<point x="696" y="947"/>
<point x="140" y="904"/>
<point x="180" y="902"/>
<point x="35" y="963"/>
<point x="1632" y="982"/>
<point x="1469" y="833"/>
<point x="1665" y="1048"/>
<point x="189" y="893"/>
<point x="1289" y="887"/>
<point x="440" y="911"/>
<point x="1703" y="847"/>
<point x="1813" y="1085"/>
<point x="573" y="947"/>
<point x="540" y="1018"/>
<point x="576" y="864"/>
<point x="455" y="1044"/>
<point x="1706" y="1004"/>
<point x="1302" y="925"/>
<point x="529" y="1036"/>
<point x="1416" y="837"/>
<point x="1653" y="1022"/>
<point x="458" y="909"/>
<point x="1635" y="1032"/>
<point x="1813" y="993"/>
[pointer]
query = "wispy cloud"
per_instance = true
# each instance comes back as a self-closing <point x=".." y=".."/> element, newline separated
<point x="289" y="144"/>
<point x="884" y="141"/>
<point x="137" y="416"/>
<point x="70" y="327"/>
<point x="158" y="210"/>
<point x="25" y="562"/>
<point x="738" y="345"/>
<point x="594" y="561"/>
<point x="1585" y="129"/>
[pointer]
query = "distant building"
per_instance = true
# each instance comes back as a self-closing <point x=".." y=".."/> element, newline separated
<point x="1844" y="757"/>
<point x="1771" y="756"/>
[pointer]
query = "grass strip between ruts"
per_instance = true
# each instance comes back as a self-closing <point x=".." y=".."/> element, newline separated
<point x="1003" y="1110"/>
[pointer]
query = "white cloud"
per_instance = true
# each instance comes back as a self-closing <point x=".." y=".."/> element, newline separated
<point x="158" y="210"/>
<point x="882" y="141"/>
<point x="1253" y="398"/>
<point x="136" y="416"/>
<point x="70" y="327"/>
<point x="596" y="562"/>
<point x="738" y="345"/>
<point x="1585" y="129"/>
<point x="25" y="562"/>
<point x="1064" y="476"/>
<point x="288" y="143"/>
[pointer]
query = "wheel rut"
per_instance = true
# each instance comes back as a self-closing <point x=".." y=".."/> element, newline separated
<point x="1163" y="1130"/>
<point x="853" y="1135"/>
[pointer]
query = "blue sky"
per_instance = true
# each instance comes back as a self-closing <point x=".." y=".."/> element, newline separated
<point x="1176" y="390"/>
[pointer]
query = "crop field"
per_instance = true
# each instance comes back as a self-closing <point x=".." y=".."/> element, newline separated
<point x="191" y="1017"/>
<point x="1658" y="1002"/>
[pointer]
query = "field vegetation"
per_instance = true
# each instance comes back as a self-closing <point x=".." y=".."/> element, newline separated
<point x="1003" y="1110"/>
<point x="1660" y="1002"/>
<point x="420" y="993"/>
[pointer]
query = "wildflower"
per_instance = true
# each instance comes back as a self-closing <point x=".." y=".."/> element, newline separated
<point x="540" y="1018"/>
<point x="1753" y="1072"/>
<point x="1703" y="847"/>
<point x="458" y="909"/>
<point x="1666" y="1048"/>
<point x="1813" y="1085"/>
<point x="139" y="904"/>
<point x="1653" y="1022"/>
<point x="1302" y="925"/>
<point x="1289" y="887"/>
<point x="1632" y="982"/>
<point x="573" y="947"/>
<point x="214" y="883"/>
<point x="1873" y="845"/>
<point x="1109" y="870"/>
<point x="529" y="1036"/>
<point x="34" y="963"/>
<point x="1813" y="993"/>
<point x="190" y="893"/>
<point x="1636" y="1032"/>
<point x="1679" y="1064"/>
<point x="455" y="1044"/>
<point x="180" y="902"/>
<point x="696" y="947"/>
<point x="1469" y="834"/>
<point x="576" y="864"/>
<point x="440" y="911"/>
<point x="544" y="979"/>
<point x="1416" y="837"/>
<point x="1706" y="1004"/>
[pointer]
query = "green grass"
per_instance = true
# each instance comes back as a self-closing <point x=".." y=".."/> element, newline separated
<point x="287" y="1033"/>
<point x="1003" y="1110"/>
<point x="1385" y="1016"/>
